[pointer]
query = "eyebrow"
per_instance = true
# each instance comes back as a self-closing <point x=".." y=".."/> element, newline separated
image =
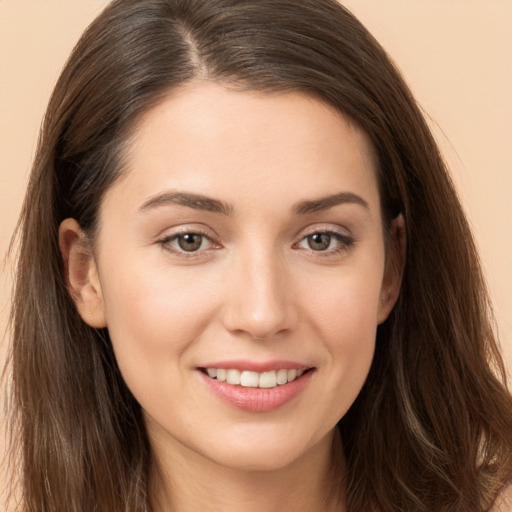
<point x="195" y="201"/>
<point x="205" y="203"/>
<point x="324" y="203"/>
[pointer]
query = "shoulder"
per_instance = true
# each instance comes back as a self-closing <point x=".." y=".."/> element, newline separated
<point x="504" y="501"/>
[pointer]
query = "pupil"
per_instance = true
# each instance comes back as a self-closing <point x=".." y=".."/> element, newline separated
<point x="319" y="241"/>
<point x="190" y="242"/>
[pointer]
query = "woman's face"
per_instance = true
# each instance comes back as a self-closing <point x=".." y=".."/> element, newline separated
<point x="245" y="240"/>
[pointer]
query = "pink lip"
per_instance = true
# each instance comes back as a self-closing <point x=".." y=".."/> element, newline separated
<point x="256" y="399"/>
<point x="254" y="366"/>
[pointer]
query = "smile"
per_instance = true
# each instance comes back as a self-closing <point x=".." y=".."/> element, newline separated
<point x="251" y="379"/>
<point x="256" y="387"/>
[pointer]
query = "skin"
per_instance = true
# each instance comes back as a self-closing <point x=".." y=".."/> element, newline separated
<point x="255" y="290"/>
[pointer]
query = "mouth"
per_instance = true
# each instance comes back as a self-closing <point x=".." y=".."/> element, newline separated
<point x="252" y="379"/>
<point x="256" y="386"/>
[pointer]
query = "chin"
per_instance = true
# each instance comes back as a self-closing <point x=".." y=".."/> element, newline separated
<point x="266" y="452"/>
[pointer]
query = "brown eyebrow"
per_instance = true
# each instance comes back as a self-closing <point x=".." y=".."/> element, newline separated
<point x="200" y="202"/>
<point x="324" y="203"/>
<point x="196" y="201"/>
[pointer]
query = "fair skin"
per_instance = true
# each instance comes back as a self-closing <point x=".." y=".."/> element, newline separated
<point x="280" y="264"/>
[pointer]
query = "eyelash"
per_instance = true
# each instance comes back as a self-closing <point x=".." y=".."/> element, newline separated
<point x="166" y="243"/>
<point x="344" y="243"/>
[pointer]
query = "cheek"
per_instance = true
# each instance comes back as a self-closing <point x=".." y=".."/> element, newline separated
<point x="344" y="304"/>
<point x="154" y="314"/>
<point x="344" y="320"/>
<point x="349" y="329"/>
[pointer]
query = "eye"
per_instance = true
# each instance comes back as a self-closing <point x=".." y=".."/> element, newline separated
<point x="329" y="242"/>
<point x="190" y="242"/>
<point x="319" y="241"/>
<point x="187" y="242"/>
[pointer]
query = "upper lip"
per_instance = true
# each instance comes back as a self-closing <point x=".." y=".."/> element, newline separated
<point x="257" y="366"/>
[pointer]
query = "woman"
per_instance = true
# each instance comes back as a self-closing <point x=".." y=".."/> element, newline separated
<point x="254" y="284"/>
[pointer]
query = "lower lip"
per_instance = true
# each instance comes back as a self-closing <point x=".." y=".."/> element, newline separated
<point x="257" y="399"/>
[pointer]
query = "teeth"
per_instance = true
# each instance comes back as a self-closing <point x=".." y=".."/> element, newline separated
<point x="233" y="377"/>
<point x="250" y="379"/>
<point x="282" y="377"/>
<point x="268" y="380"/>
<point x="292" y="375"/>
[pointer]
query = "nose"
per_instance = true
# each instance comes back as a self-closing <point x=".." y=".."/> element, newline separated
<point x="259" y="302"/>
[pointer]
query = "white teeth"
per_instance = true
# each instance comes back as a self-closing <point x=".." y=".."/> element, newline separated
<point x="251" y="379"/>
<point x="282" y="376"/>
<point x="268" y="380"/>
<point x="233" y="377"/>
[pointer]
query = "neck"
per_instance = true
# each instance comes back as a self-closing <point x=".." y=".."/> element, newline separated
<point x="192" y="484"/>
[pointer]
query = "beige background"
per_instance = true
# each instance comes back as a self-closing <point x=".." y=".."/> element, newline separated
<point x="455" y="54"/>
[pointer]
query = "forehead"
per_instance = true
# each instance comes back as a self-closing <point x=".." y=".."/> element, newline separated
<point x="244" y="147"/>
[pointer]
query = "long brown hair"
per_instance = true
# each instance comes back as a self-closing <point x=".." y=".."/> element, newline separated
<point x="432" y="428"/>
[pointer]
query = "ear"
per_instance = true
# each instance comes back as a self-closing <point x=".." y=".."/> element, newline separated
<point x="394" y="268"/>
<point x="81" y="273"/>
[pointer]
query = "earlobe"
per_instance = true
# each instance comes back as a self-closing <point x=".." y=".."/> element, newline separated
<point x="394" y="268"/>
<point x="81" y="274"/>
